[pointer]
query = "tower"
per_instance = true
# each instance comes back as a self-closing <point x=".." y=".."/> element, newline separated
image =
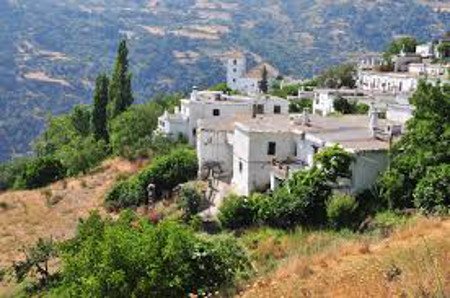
<point x="236" y="69"/>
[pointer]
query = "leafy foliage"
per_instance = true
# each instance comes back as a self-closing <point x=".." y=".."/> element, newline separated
<point x="165" y="171"/>
<point x="40" y="172"/>
<point x="297" y="106"/>
<point x="238" y="211"/>
<point x="342" y="211"/>
<point x="406" y="44"/>
<point x="131" y="132"/>
<point x="131" y="257"/>
<point x="424" y="146"/>
<point x="338" y="76"/>
<point x="190" y="201"/>
<point x="432" y="193"/>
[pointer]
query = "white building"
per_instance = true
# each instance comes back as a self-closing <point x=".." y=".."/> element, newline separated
<point x="240" y="80"/>
<point x="387" y="82"/>
<point x="425" y="50"/>
<point x="217" y="107"/>
<point x="258" y="153"/>
<point x="323" y="100"/>
<point x="426" y="69"/>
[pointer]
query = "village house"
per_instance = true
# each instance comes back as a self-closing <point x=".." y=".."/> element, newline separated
<point x="258" y="153"/>
<point x="217" y="107"/>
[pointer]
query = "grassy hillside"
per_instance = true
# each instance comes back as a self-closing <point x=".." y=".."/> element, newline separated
<point x="51" y="51"/>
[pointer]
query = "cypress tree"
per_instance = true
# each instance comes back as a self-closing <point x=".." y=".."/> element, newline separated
<point x="264" y="84"/>
<point x="120" y="93"/>
<point x="99" y="113"/>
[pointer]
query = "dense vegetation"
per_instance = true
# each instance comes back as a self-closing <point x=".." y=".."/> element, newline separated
<point x="132" y="257"/>
<point x="75" y="40"/>
<point x="166" y="171"/>
<point x="418" y="175"/>
<point x="344" y="106"/>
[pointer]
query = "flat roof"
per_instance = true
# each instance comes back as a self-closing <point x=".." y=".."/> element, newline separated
<point x="351" y="131"/>
<point x="220" y="97"/>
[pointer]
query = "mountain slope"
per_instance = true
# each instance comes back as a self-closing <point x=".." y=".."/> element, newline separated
<point x="51" y="51"/>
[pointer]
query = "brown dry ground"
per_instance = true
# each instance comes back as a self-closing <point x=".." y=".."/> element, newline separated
<point x="53" y="211"/>
<point x="413" y="261"/>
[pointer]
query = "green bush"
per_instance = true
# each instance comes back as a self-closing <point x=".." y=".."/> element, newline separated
<point x="432" y="193"/>
<point x="166" y="172"/>
<point x="238" y="212"/>
<point x="342" y="211"/>
<point x="40" y="172"/>
<point x="11" y="171"/>
<point x="297" y="106"/>
<point x="190" y="201"/>
<point x="362" y="108"/>
<point x="133" y="258"/>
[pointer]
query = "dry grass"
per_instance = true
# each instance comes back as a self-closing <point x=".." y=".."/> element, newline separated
<point x="413" y="261"/>
<point x="54" y="210"/>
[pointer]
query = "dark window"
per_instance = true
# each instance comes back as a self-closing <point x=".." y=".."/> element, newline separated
<point x="234" y="69"/>
<point x="234" y="62"/>
<point x="194" y="132"/>
<point x="259" y="109"/>
<point x="216" y="112"/>
<point x="272" y="148"/>
<point x="277" y="109"/>
<point x="234" y="80"/>
<point x="240" y="167"/>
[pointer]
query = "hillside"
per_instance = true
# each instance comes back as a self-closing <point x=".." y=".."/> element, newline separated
<point x="412" y="261"/>
<point x="51" y="51"/>
<point x="54" y="211"/>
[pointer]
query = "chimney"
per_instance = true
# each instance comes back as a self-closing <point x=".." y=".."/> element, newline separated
<point x="373" y="119"/>
<point x="194" y="93"/>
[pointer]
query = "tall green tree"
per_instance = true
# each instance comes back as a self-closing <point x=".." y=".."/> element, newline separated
<point x="424" y="147"/>
<point x="264" y="83"/>
<point x="120" y="92"/>
<point x="99" y="121"/>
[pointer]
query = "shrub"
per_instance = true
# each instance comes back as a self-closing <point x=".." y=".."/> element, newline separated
<point x="432" y="193"/>
<point x="362" y="108"/>
<point x="134" y="258"/>
<point x="40" y="172"/>
<point x="190" y="201"/>
<point x="11" y="171"/>
<point x="237" y="212"/>
<point x="342" y="105"/>
<point x="166" y="172"/>
<point x="342" y="211"/>
<point x="298" y="106"/>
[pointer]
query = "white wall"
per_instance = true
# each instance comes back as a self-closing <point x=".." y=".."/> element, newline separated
<point x="323" y="103"/>
<point x="251" y="149"/>
<point x="366" y="169"/>
<point x="212" y="146"/>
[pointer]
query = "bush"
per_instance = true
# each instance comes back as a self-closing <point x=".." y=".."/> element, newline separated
<point x="131" y="131"/>
<point x="298" y="106"/>
<point x="166" y="172"/>
<point x="11" y="171"/>
<point x="432" y="193"/>
<point x="190" y="201"/>
<point x="342" y="211"/>
<point x="39" y="172"/>
<point x="133" y="258"/>
<point x="238" y="212"/>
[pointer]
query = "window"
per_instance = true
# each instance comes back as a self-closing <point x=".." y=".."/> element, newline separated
<point x="272" y="148"/>
<point x="234" y="80"/>
<point x="259" y="109"/>
<point x="277" y="109"/>
<point x="241" y="166"/>
<point x="234" y="69"/>
<point x="194" y="132"/>
<point x="234" y="61"/>
<point x="216" y="112"/>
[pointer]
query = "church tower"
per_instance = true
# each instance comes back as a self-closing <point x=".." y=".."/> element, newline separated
<point x="236" y="69"/>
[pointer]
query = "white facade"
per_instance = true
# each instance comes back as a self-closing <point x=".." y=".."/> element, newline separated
<point x="399" y="113"/>
<point x="434" y="70"/>
<point x="425" y="50"/>
<point x="239" y="79"/>
<point x="387" y="82"/>
<point x="323" y="102"/>
<point x="215" y="106"/>
<point x="267" y="150"/>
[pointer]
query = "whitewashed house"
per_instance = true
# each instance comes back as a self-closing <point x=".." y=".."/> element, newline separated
<point x="387" y="82"/>
<point x="425" y="50"/>
<point x="217" y="107"/>
<point x="258" y="153"/>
